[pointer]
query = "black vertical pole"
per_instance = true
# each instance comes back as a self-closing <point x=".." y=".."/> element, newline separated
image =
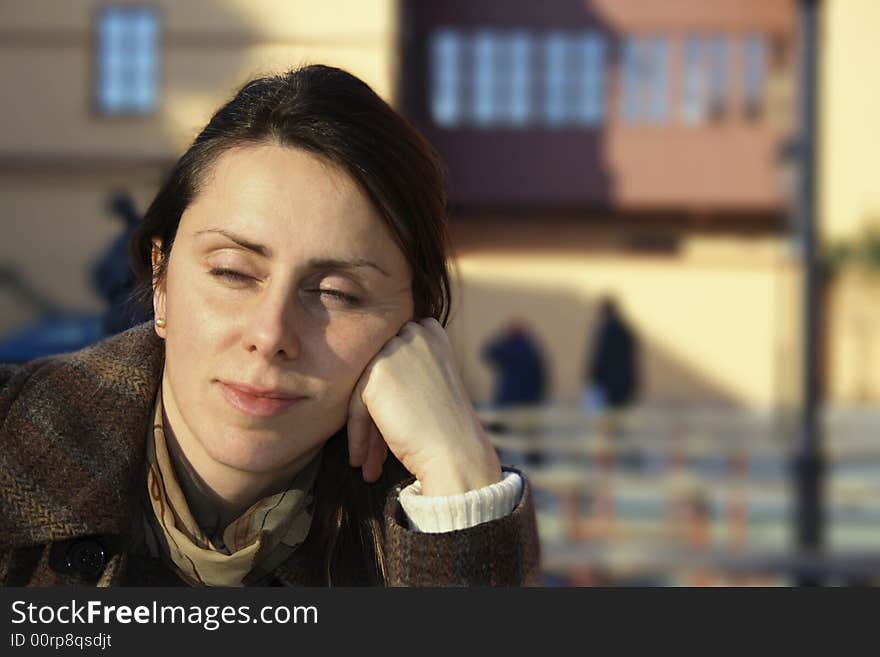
<point x="808" y="464"/>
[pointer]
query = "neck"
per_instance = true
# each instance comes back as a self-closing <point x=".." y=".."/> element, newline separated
<point x="216" y="493"/>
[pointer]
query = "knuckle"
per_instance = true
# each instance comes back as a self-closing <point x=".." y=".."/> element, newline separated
<point x="410" y="332"/>
<point x="387" y="350"/>
<point x="431" y="324"/>
<point x="379" y="367"/>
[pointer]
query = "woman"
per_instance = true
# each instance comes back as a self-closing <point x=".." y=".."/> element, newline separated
<point x="265" y="427"/>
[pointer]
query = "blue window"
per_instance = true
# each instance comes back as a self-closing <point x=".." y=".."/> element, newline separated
<point x="574" y="79"/>
<point x="590" y="96"/>
<point x="127" y="60"/>
<point x="556" y="47"/>
<point x="693" y="107"/>
<point x="754" y="74"/>
<point x="447" y="49"/>
<point x="515" y="79"/>
<point x="519" y="63"/>
<point x="719" y="65"/>
<point x="486" y="104"/>
<point x="645" y="80"/>
<point x="705" y="79"/>
<point x="502" y="69"/>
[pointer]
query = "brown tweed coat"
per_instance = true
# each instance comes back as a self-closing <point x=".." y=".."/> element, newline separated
<point x="72" y="442"/>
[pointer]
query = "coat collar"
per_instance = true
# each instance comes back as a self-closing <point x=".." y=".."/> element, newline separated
<point x="73" y="434"/>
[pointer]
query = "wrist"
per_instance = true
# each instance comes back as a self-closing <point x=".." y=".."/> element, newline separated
<point x="457" y="478"/>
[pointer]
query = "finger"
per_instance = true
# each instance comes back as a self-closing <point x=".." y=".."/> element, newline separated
<point x="376" y="455"/>
<point x="436" y="329"/>
<point x="407" y="331"/>
<point x="431" y="324"/>
<point x="359" y="423"/>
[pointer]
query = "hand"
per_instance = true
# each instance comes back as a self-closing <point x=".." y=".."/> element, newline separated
<point x="411" y="400"/>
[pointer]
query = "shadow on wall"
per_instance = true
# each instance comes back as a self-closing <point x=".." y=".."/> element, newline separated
<point x="564" y="323"/>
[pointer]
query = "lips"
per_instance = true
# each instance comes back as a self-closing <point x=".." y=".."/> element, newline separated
<point x="261" y="402"/>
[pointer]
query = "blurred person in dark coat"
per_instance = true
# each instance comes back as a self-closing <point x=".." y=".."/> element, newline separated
<point x="612" y="381"/>
<point x="113" y="276"/>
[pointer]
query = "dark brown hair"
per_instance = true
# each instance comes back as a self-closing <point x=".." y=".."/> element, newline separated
<point x="338" y="117"/>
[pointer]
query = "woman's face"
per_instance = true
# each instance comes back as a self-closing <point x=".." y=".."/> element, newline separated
<point x="282" y="284"/>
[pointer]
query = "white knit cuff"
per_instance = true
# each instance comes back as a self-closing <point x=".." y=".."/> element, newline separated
<point x="447" y="513"/>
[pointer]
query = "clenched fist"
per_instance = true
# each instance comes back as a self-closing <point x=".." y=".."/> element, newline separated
<point x="410" y="399"/>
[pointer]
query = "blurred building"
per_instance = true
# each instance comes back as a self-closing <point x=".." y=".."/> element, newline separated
<point x="639" y="149"/>
<point x="622" y="147"/>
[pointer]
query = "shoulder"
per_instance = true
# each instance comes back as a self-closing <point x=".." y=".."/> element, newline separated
<point x="72" y="430"/>
<point x="127" y="362"/>
<point x="99" y="379"/>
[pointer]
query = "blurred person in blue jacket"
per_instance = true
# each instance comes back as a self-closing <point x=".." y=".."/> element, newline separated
<point x="520" y="379"/>
<point x="516" y="357"/>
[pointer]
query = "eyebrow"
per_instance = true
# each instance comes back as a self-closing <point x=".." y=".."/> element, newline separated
<point x="335" y="263"/>
<point x="259" y="249"/>
<point x="314" y="263"/>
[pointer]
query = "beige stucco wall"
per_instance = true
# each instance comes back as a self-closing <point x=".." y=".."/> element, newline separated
<point x="265" y="20"/>
<point x="52" y="114"/>
<point x="208" y="49"/>
<point x="854" y="344"/>
<point x="850" y="104"/>
<point x="849" y="193"/>
<point x="59" y="160"/>
<point x="709" y="320"/>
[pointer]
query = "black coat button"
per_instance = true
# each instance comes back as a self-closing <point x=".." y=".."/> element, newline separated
<point x="86" y="557"/>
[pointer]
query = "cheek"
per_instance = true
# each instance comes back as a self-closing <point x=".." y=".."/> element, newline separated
<point x="197" y="322"/>
<point x="354" y="344"/>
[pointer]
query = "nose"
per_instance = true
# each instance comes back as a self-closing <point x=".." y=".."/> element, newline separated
<point x="272" y="330"/>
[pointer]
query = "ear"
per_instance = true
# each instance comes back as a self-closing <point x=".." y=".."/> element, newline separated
<point x="158" y="289"/>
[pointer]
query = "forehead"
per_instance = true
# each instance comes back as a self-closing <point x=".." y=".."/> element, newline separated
<point x="291" y="200"/>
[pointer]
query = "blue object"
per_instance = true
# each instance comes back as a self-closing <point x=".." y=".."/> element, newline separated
<point x="519" y="364"/>
<point x="54" y="334"/>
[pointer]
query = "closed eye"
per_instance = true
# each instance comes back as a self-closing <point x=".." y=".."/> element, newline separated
<point x="234" y="276"/>
<point x="231" y="275"/>
<point x="337" y="294"/>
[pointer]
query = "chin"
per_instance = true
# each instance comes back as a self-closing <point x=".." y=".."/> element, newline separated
<point x="248" y="453"/>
